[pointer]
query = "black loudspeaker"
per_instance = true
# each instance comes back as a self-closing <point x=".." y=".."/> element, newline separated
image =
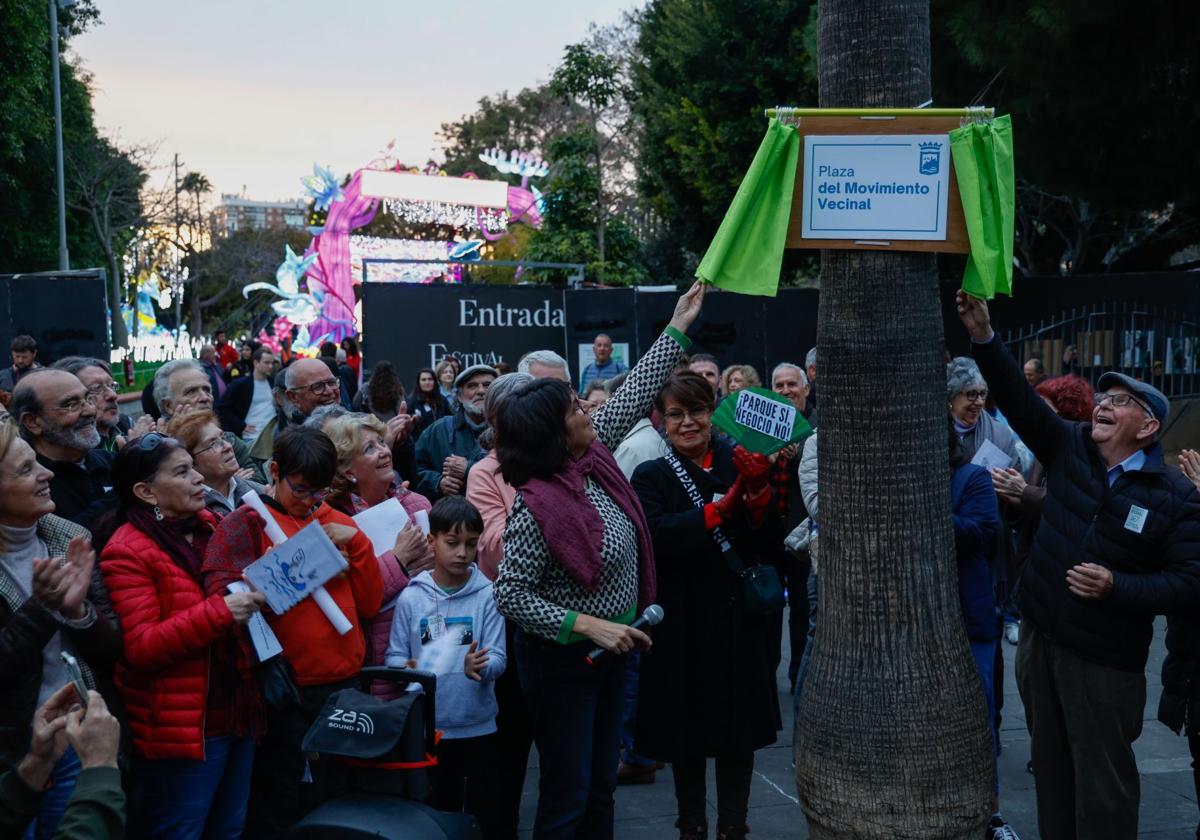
<point x="385" y="818"/>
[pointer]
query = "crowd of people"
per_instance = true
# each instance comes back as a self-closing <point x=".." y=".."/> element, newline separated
<point x="559" y="509"/>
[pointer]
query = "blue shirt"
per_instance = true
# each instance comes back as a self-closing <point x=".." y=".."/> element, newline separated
<point x="594" y="371"/>
<point x="1134" y="462"/>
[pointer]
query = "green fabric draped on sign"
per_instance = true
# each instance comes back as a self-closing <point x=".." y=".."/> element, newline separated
<point x="983" y="166"/>
<point x="761" y="420"/>
<point x="747" y="252"/>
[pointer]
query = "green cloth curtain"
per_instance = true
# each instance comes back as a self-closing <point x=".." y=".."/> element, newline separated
<point x="983" y="165"/>
<point x="747" y="252"/>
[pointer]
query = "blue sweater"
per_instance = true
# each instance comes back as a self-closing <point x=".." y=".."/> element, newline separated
<point x="465" y="708"/>
<point x="976" y="526"/>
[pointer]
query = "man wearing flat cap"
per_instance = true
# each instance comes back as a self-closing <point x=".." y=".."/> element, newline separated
<point x="1119" y="542"/>
<point x="449" y="448"/>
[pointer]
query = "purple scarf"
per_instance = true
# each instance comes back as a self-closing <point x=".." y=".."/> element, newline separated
<point x="171" y="536"/>
<point x="572" y="526"/>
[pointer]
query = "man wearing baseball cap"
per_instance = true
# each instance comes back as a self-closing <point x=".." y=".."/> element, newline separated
<point x="450" y="447"/>
<point x="1119" y="542"/>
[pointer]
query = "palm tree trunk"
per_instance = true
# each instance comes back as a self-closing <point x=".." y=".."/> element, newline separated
<point x="892" y="734"/>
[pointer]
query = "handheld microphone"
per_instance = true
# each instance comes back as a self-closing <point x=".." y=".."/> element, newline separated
<point x="652" y="615"/>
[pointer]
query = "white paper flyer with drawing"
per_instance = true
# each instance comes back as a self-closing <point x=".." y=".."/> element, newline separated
<point x="296" y="568"/>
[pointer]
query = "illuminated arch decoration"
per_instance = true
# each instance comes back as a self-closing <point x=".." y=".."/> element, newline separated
<point x="325" y="309"/>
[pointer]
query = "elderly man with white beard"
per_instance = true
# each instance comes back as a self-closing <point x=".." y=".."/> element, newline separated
<point x="57" y="417"/>
<point x="450" y="447"/>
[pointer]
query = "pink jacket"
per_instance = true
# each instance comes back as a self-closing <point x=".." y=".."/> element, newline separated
<point x="394" y="581"/>
<point x="494" y="498"/>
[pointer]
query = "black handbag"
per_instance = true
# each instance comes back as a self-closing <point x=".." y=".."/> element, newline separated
<point x="277" y="683"/>
<point x="759" y="590"/>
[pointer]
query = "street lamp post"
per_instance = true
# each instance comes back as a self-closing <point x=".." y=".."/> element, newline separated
<point x="64" y="261"/>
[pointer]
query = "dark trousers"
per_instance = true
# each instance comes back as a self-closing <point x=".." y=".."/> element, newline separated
<point x="514" y="737"/>
<point x="633" y="671"/>
<point x="998" y="685"/>
<point x="1194" y="748"/>
<point x="1083" y="719"/>
<point x="793" y="573"/>
<point x="733" y="788"/>
<point x="281" y="792"/>
<point x="577" y="711"/>
<point x="186" y="799"/>
<point x="466" y="780"/>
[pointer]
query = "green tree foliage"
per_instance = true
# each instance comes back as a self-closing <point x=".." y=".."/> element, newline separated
<point x="703" y="72"/>
<point x="28" y="213"/>
<point x="592" y="80"/>
<point x="526" y="122"/>
<point x="578" y="121"/>
<point x="1105" y="98"/>
<point x="568" y="232"/>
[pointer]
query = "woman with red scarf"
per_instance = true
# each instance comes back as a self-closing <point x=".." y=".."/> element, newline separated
<point x="192" y="720"/>
<point x="578" y="567"/>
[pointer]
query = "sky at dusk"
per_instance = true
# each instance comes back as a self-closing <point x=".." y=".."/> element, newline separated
<point x="253" y="92"/>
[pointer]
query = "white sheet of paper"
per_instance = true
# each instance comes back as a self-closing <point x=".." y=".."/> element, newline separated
<point x="382" y="523"/>
<point x="292" y="570"/>
<point x="437" y="656"/>
<point x="990" y="455"/>
<point x="266" y="643"/>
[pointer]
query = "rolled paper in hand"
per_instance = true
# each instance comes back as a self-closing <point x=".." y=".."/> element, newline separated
<point x="320" y="595"/>
<point x="274" y="532"/>
<point x="422" y="520"/>
<point x="332" y="611"/>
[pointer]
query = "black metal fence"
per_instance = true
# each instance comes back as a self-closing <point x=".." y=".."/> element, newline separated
<point x="1155" y="344"/>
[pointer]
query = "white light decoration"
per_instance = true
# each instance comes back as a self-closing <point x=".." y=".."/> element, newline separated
<point x="516" y="163"/>
<point x="376" y="247"/>
<point x="450" y="215"/>
<point x="407" y="186"/>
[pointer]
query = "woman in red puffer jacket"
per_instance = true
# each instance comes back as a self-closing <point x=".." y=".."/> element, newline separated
<point x="191" y="715"/>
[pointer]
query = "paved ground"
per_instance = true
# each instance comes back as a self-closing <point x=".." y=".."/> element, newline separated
<point x="1169" y="808"/>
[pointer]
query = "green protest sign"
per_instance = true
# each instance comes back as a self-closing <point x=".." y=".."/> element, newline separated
<point x="761" y="420"/>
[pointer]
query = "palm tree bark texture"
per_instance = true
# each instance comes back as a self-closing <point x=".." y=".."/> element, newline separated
<point x="892" y="733"/>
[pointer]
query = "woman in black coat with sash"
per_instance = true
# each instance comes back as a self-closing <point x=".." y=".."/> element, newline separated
<point x="707" y="689"/>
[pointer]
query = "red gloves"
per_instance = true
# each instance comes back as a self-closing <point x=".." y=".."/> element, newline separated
<point x="731" y="502"/>
<point x="753" y="470"/>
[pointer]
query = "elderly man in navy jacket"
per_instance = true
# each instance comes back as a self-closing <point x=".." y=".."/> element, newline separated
<point x="1119" y="542"/>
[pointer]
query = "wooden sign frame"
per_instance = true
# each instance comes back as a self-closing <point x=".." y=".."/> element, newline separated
<point x="956" y="241"/>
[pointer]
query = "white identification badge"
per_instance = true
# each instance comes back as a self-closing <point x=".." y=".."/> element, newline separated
<point x="436" y="625"/>
<point x="1136" y="519"/>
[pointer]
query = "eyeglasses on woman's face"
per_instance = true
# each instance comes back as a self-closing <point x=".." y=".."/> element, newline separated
<point x="211" y="445"/>
<point x="697" y="414"/>
<point x="303" y="491"/>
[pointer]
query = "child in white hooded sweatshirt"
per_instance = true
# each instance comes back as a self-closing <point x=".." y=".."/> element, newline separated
<point x="452" y="605"/>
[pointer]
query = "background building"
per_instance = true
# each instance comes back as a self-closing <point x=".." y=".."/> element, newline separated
<point x="237" y="212"/>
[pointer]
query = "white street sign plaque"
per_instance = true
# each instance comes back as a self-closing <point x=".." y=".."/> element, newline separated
<point x="876" y="187"/>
